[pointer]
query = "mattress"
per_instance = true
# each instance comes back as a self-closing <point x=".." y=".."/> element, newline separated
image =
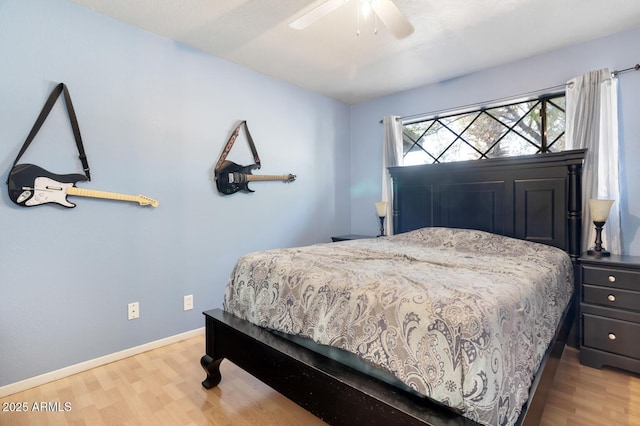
<point x="463" y="317"/>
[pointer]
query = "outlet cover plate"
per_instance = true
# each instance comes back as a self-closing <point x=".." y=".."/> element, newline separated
<point x="134" y="310"/>
<point x="188" y="302"/>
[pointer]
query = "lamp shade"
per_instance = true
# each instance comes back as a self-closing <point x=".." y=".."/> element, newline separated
<point x="381" y="208"/>
<point x="600" y="209"/>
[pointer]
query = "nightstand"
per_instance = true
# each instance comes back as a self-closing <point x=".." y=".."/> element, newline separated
<point x="610" y="312"/>
<point x="350" y="237"/>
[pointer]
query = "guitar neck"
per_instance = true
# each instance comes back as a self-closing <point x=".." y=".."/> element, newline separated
<point x="253" y="178"/>
<point x="140" y="199"/>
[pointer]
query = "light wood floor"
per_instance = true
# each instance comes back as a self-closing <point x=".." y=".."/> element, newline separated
<point x="162" y="387"/>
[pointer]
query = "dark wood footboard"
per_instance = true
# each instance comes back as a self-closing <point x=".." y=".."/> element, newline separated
<point x="338" y="394"/>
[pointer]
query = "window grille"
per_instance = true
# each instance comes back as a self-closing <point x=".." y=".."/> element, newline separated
<point x="529" y="127"/>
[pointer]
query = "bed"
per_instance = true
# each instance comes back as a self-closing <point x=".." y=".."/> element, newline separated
<point x="526" y="199"/>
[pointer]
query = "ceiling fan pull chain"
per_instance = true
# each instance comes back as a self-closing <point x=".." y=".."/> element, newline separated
<point x="375" y="23"/>
<point x="358" y="17"/>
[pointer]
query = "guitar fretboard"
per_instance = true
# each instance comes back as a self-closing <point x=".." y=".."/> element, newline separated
<point x="100" y="194"/>
<point x="140" y="199"/>
<point x="251" y="178"/>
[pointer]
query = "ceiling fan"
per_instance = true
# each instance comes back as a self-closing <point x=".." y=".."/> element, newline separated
<point x="385" y="10"/>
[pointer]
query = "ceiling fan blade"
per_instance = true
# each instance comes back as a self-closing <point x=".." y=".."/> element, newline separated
<point x="312" y="16"/>
<point x="392" y="18"/>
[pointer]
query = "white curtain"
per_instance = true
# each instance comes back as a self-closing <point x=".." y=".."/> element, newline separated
<point x="592" y="123"/>
<point x="391" y="156"/>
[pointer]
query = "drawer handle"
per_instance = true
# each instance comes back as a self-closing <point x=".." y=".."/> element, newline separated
<point x="612" y="336"/>
<point x="611" y="298"/>
<point x="612" y="279"/>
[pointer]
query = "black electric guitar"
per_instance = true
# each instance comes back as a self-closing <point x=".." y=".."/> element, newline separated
<point x="30" y="185"/>
<point x="232" y="178"/>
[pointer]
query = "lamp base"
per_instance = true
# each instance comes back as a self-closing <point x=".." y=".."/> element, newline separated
<point x="598" y="250"/>
<point x="381" y="226"/>
<point x="598" y="253"/>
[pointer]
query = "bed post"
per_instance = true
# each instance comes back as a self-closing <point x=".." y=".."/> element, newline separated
<point x="394" y="207"/>
<point x="575" y="210"/>
<point x="574" y="232"/>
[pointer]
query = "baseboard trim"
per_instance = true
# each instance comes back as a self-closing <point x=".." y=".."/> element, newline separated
<point x="31" y="382"/>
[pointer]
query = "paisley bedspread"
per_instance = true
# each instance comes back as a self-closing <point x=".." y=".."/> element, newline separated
<point x="461" y="316"/>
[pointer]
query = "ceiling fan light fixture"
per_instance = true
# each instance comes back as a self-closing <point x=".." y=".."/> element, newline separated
<point x="365" y="7"/>
<point x="386" y="10"/>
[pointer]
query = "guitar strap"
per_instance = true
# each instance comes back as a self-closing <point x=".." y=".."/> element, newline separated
<point x="46" y="109"/>
<point x="230" y="142"/>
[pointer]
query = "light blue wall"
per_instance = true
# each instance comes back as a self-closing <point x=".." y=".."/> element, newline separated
<point x="618" y="51"/>
<point x="154" y="116"/>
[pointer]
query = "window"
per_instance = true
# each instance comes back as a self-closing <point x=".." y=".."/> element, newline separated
<point x="530" y="127"/>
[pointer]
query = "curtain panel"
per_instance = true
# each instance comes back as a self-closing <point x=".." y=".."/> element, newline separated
<point x="592" y="123"/>
<point x="391" y="156"/>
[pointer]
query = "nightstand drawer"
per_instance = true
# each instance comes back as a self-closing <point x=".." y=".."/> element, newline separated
<point x="620" y="337"/>
<point x="611" y="277"/>
<point x="612" y="297"/>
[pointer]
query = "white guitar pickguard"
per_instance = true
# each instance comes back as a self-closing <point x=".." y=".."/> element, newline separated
<point x="46" y="190"/>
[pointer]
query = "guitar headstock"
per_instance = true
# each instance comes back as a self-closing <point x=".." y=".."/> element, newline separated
<point x="290" y="178"/>
<point x="146" y="201"/>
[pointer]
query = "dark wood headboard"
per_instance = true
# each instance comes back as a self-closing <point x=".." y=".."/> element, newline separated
<point x="533" y="197"/>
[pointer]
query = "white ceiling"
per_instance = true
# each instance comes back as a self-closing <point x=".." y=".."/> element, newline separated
<point x="451" y="38"/>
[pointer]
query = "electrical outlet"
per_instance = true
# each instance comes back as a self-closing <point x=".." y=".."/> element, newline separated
<point x="134" y="310"/>
<point x="188" y="302"/>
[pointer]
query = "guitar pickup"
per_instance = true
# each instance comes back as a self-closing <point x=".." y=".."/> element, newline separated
<point x="231" y="180"/>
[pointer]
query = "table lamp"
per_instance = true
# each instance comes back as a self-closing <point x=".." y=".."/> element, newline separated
<point x="381" y="208"/>
<point x="599" y="214"/>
